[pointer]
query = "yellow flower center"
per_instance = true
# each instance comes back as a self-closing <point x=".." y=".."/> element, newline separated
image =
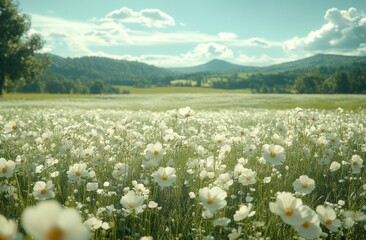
<point x="355" y="163"/>
<point x="164" y="177"/>
<point x="4" y="170"/>
<point x="14" y="127"/>
<point x="77" y="173"/>
<point x="187" y="115"/>
<point x="226" y="152"/>
<point x="333" y="140"/>
<point x="305" y="185"/>
<point x="306" y="225"/>
<point x="131" y="205"/>
<point x="55" y="234"/>
<point x="289" y="212"/>
<point x="156" y="152"/>
<point x="43" y="191"/>
<point x="2" y="237"/>
<point x="210" y="201"/>
<point x="328" y="222"/>
<point x="248" y="178"/>
<point x="219" y="141"/>
<point x="273" y="154"/>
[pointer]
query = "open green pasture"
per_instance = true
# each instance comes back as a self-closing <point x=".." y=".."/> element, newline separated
<point x="172" y="90"/>
<point x="163" y="101"/>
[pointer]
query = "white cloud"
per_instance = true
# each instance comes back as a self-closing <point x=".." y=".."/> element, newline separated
<point x="262" y="60"/>
<point x="209" y="51"/>
<point x="343" y="32"/>
<point x="200" y="54"/>
<point x="227" y="35"/>
<point x="96" y="33"/>
<point x="146" y="17"/>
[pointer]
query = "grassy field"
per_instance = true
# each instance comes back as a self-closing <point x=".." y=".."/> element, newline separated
<point x="172" y="90"/>
<point x="151" y="99"/>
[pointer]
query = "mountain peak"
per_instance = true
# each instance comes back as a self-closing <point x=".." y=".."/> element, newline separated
<point x="214" y="66"/>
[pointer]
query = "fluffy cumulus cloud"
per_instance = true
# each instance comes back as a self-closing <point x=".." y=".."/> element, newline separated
<point x="146" y="17"/>
<point x="227" y="35"/>
<point x="262" y="60"/>
<point x="343" y="32"/>
<point x="200" y="54"/>
<point x="211" y="50"/>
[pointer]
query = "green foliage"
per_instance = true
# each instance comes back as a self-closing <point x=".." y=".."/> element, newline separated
<point x="18" y="61"/>
<point x="109" y="71"/>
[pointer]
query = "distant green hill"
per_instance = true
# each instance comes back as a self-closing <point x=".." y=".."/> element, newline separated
<point x="322" y="73"/>
<point x="110" y="71"/>
<point x="310" y="63"/>
<point x="316" y="62"/>
<point x="215" y="66"/>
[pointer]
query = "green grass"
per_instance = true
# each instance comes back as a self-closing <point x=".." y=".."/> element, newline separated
<point x="170" y="90"/>
<point x="152" y="99"/>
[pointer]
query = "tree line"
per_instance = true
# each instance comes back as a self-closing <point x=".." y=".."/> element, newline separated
<point x="324" y="80"/>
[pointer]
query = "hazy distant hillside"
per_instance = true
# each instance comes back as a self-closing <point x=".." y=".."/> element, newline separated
<point x="316" y="61"/>
<point x="215" y="66"/>
<point x="109" y="71"/>
<point x="311" y="63"/>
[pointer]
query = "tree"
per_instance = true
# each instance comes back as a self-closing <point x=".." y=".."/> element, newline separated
<point x="19" y="62"/>
<point x="309" y="82"/>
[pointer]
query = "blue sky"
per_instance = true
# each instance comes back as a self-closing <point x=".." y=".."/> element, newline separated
<point x="172" y="33"/>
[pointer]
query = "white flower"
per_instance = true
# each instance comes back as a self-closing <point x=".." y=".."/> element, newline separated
<point x="132" y="203"/>
<point x="191" y="195"/>
<point x="8" y="229"/>
<point x="91" y="186"/>
<point x="213" y="199"/>
<point x="328" y="218"/>
<point x="6" y="168"/>
<point x="267" y="179"/>
<point x="357" y="216"/>
<point x="247" y="177"/>
<point x="146" y="238"/>
<point x="185" y="112"/>
<point x="289" y="208"/>
<point x="334" y="166"/>
<point x="235" y="233"/>
<point x="77" y="172"/>
<point x="304" y="185"/>
<point x="154" y="152"/>
<point x="310" y="228"/>
<point x="93" y="223"/>
<point x="244" y="212"/>
<point x="165" y="177"/>
<point x="152" y="204"/>
<point x="43" y="191"/>
<point x="11" y="127"/>
<point x="356" y="163"/>
<point x="120" y="171"/>
<point x="48" y="220"/>
<point x="273" y="154"/>
<point x="224" y="181"/>
<point x="222" y="222"/>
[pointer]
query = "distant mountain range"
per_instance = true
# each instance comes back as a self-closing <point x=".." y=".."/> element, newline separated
<point x="215" y="66"/>
<point x="122" y="72"/>
<point x="110" y="71"/>
<point x="316" y="61"/>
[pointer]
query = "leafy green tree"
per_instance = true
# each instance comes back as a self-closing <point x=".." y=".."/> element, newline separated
<point x="309" y="82"/>
<point x="97" y="87"/>
<point x="18" y="60"/>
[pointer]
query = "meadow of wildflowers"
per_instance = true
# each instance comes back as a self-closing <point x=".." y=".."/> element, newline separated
<point x="96" y="173"/>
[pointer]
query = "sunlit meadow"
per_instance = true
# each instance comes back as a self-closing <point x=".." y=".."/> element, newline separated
<point x="92" y="172"/>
